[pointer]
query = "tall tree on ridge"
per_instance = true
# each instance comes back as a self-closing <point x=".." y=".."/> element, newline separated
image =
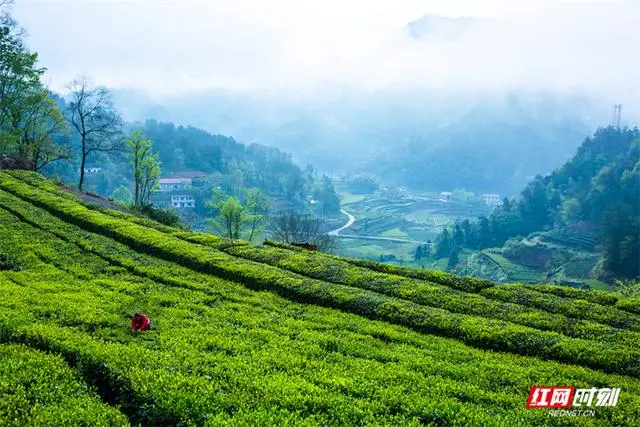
<point x="257" y="206"/>
<point x="145" y="165"/>
<point x="31" y="124"/>
<point x="95" y="119"/>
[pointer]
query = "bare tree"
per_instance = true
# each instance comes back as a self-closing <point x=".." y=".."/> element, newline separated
<point x="95" y="119"/>
<point x="292" y="227"/>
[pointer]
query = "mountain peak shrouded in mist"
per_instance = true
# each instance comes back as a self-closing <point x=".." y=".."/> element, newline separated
<point x="439" y="27"/>
<point x="339" y="95"/>
<point x="555" y="46"/>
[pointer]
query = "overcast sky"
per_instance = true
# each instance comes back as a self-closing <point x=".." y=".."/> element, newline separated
<point x="299" y="46"/>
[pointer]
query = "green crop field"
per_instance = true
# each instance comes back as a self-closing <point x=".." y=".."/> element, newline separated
<point x="275" y="335"/>
<point x="515" y="272"/>
<point x="394" y="232"/>
<point x="413" y="216"/>
<point x="348" y="198"/>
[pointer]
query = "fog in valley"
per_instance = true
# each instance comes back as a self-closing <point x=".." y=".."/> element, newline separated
<point x="429" y="94"/>
<point x="474" y="137"/>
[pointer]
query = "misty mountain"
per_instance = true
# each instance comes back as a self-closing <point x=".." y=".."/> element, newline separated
<point x="491" y="147"/>
<point x="429" y="139"/>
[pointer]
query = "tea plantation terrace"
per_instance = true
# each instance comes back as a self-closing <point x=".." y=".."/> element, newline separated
<point x="275" y="335"/>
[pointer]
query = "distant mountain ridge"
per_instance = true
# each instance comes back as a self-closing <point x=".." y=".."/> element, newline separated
<point x="355" y="132"/>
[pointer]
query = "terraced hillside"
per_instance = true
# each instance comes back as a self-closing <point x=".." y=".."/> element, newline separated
<point x="270" y="335"/>
<point x="513" y="271"/>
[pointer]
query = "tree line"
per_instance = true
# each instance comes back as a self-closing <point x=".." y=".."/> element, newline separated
<point x="42" y="131"/>
<point x="35" y="132"/>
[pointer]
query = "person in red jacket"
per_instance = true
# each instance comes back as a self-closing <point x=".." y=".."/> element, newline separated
<point x="140" y="322"/>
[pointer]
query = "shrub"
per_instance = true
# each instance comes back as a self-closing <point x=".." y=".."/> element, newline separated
<point x="163" y="216"/>
<point x="595" y="296"/>
<point x="40" y="389"/>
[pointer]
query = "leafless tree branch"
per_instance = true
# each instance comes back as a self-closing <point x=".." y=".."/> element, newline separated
<point x="95" y="120"/>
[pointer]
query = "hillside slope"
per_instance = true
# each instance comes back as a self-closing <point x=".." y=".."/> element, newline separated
<point x="577" y="224"/>
<point x="269" y="335"/>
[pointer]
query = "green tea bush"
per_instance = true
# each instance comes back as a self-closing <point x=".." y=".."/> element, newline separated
<point x="467" y="284"/>
<point x="374" y="305"/>
<point x="569" y="307"/>
<point x="326" y="261"/>
<point x="630" y="304"/>
<point x="41" y="389"/>
<point x="226" y="353"/>
<point x="425" y="295"/>
<point x="594" y="296"/>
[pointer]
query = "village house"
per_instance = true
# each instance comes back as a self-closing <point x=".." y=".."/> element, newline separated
<point x="92" y="169"/>
<point x="190" y="174"/>
<point x="491" y="199"/>
<point x="183" y="201"/>
<point x="172" y="184"/>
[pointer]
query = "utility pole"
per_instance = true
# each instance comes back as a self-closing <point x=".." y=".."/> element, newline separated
<point x="617" y="114"/>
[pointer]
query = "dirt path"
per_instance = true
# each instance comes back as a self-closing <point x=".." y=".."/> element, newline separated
<point x="95" y="199"/>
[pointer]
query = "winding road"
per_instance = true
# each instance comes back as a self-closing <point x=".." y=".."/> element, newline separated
<point x="350" y="222"/>
<point x="380" y="238"/>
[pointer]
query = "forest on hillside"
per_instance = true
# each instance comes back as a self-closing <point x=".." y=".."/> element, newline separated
<point x="598" y="188"/>
<point x="422" y="139"/>
<point x="81" y="139"/>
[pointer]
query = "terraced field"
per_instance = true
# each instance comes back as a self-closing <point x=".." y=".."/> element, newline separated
<point x="412" y="217"/>
<point x="270" y="335"/>
<point x="572" y="238"/>
<point x="515" y="272"/>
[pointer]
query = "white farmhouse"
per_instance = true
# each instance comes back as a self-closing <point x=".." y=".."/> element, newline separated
<point x="183" y="201"/>
<point x="491" y="199"/>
